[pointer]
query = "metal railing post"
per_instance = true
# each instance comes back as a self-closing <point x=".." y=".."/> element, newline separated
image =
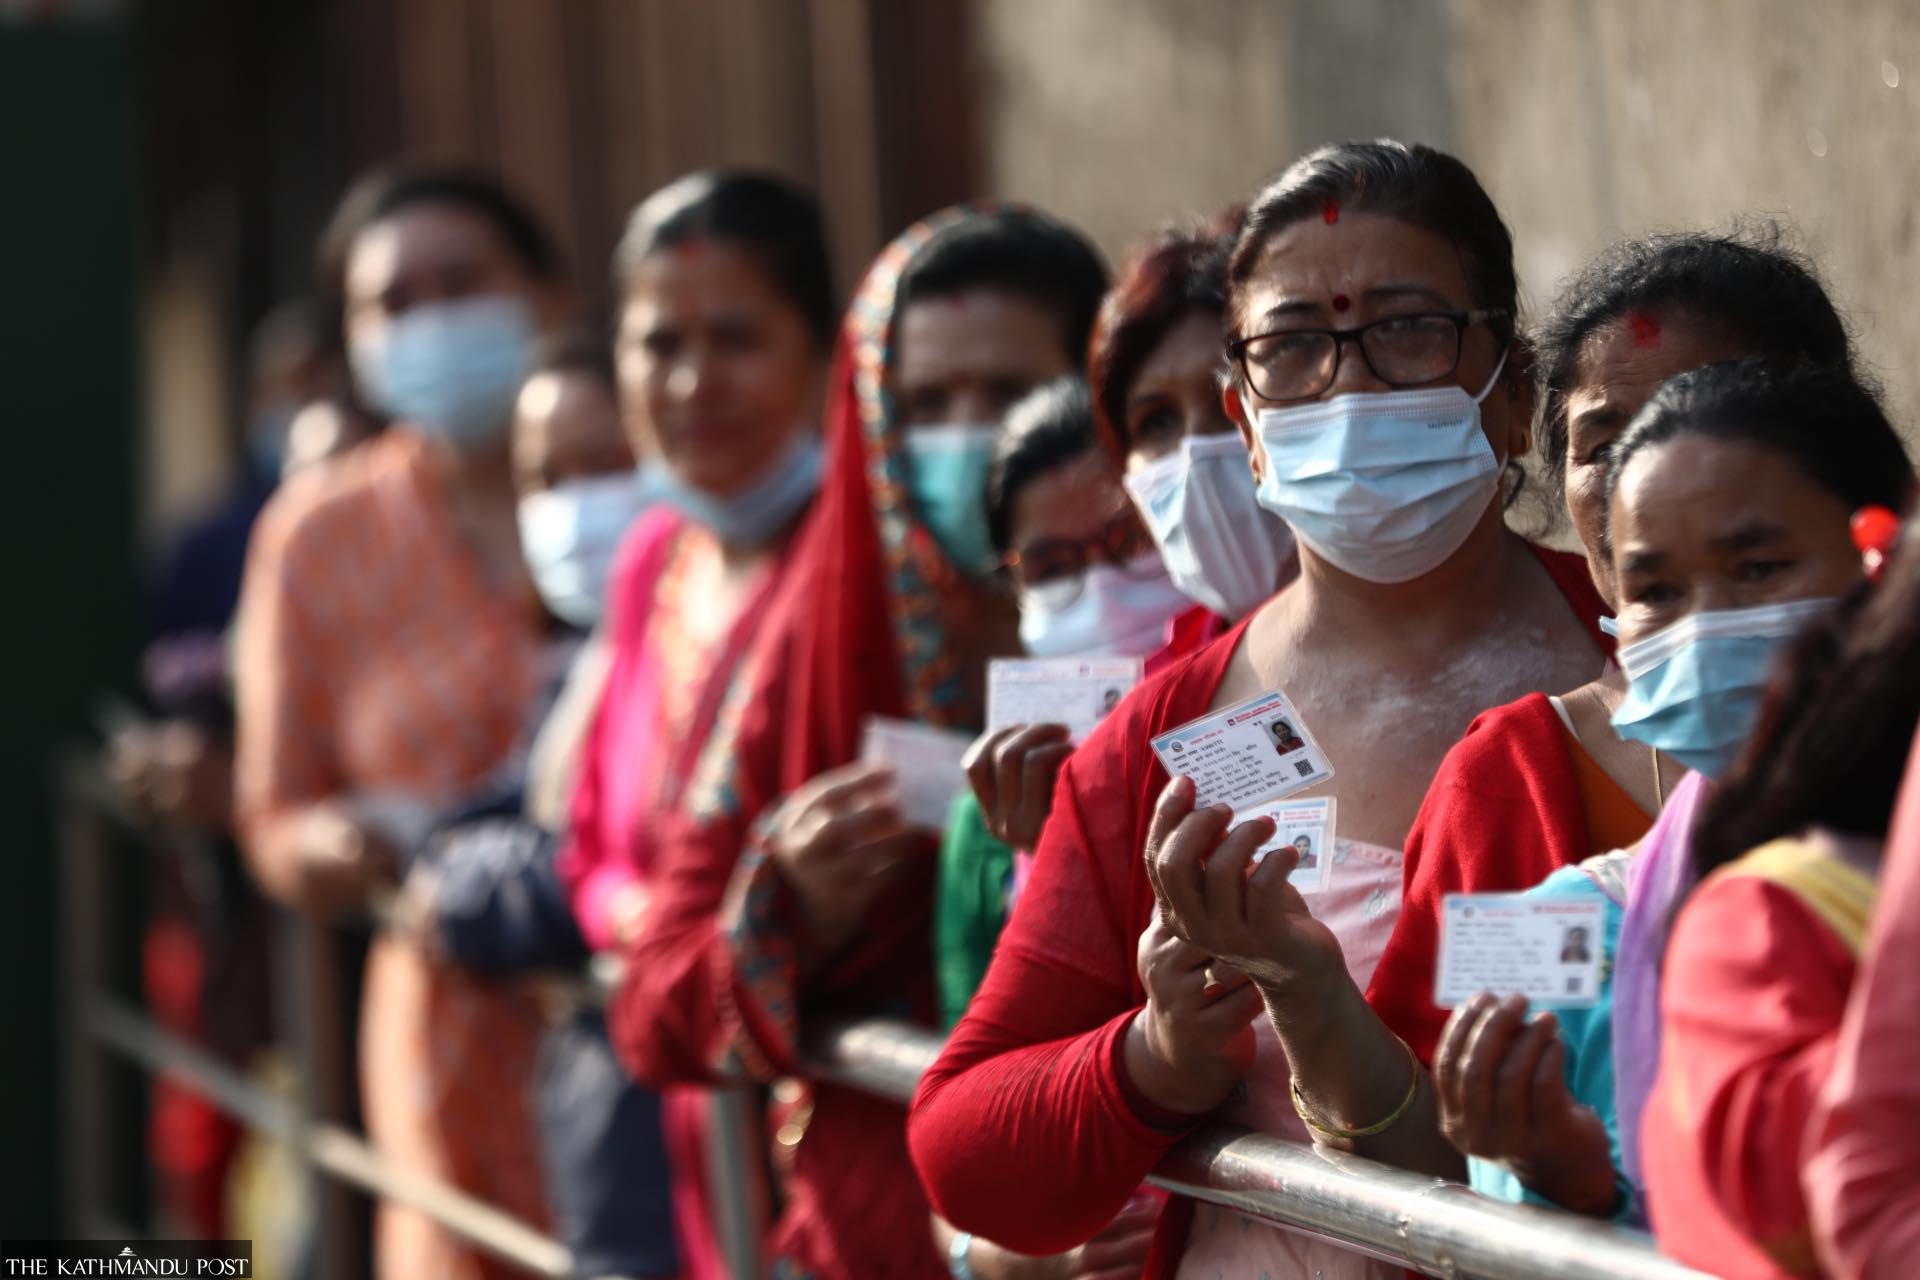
<point x="732" y="1151"/>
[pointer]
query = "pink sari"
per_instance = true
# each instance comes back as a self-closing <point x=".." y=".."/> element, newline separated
<point x="658" y="747"/>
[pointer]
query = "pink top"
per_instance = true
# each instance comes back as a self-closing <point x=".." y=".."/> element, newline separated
<point x="1862" y="1174"/>
<point x="1360" y="903"/>
<point x="642" y="757"/>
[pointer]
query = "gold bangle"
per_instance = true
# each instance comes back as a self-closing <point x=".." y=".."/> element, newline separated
<point x="1334" y="1131"/>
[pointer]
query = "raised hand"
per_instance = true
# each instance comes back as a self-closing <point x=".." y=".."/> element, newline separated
<point x="1501" y="1077"/>
<point x="1011" y="771"/>
<point x="840" y="841"/>
<point x="1214" y="897"/>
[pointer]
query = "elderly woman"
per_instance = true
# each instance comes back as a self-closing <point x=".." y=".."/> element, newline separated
<point x="1378" y="385"/>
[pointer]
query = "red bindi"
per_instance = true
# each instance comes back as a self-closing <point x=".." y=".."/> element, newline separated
<point x="691" y="250"/>
<point x="1646" y="330"/>
<point x="1330" y="213"/>
<point x="1341" y="302"/>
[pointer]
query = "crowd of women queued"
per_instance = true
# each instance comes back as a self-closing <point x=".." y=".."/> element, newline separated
<point x="579" y="655"/>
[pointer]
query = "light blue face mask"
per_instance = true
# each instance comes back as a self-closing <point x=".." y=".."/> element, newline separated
<point x="752" y="517"/>
<point x="451" y="368"/>
<point x="1694" y="688"/>
<point x="1384" y="485"/>
<point x="569" y="535"/>
<point x="947" y="476"/>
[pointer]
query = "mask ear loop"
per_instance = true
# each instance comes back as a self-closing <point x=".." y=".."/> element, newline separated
<point x="1498" y="369"/>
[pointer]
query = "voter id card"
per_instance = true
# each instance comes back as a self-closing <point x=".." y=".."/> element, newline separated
<point x="926" y="764"/>
<point x="1549" y="950"/>
<point x="1307" y="825"/>
<point x="1250" y="753"/>
<point x="1075" y="692"/>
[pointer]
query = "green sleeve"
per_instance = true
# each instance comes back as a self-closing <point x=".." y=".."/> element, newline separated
<point x="970" y="905"/>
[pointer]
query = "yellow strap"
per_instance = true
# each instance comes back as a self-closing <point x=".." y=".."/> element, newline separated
<point x="1839" y="894"/>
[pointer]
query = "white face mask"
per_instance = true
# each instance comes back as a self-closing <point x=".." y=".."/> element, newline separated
<point x="1384" y="485"/>
<point x="1224" y="550"/>
<point x="1108" y="612"/>
<point x="569" y="535"/>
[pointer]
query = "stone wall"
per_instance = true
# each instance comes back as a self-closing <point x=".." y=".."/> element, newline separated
<point x="1588" y="121"/>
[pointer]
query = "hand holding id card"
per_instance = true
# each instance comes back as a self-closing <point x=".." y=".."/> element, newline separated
<point x="926" y="764"/>
<point x="1549" y="950"/>
<point x="1252" y="756"/>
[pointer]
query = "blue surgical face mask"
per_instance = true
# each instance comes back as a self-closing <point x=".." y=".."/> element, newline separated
<point x="1222" y="548"/>
<point x="451" y="368"/>
<point x="569" y="534"/>
<point x="1694" y="688"/>
<point x="1383" y="485"/>
<point x="947" y="476"/>
<point x="1106" y="612"/>
<point x="754" y="516"/>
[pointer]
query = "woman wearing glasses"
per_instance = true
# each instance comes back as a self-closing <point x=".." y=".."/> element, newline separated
<point x="1379" y="387"/>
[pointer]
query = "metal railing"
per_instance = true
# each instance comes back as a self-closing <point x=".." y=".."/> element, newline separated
<point x="1423" y="1223"/>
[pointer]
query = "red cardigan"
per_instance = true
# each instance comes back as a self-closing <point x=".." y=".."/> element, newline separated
<point x="1030" y="1093"/>
<point x="1503" y="813"/>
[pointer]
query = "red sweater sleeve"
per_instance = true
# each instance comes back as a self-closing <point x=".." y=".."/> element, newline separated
<point x="1503" y="813"/>
<point x="1030" y="1091"/>
<point x="1863" y="1168"/>
<point x="1751" y="1004"/>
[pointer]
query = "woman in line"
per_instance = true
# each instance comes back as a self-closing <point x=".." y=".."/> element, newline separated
<point x="726" y="319"/>
<point x="806" y="896"/>
<point x="1729" y="499"/>
<point x="1546" y="782"/>
<point x="1764" y="951"/>
<point x="1154" y="369"/>
<point x="1371" y="292"/>
<point x="1091" y="583"/>
<point x="387" y="664"/>
<point x="1861" y="1177"/>
<point x="485" y="892"/>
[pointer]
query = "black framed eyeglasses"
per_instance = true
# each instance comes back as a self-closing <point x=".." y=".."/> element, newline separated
<point x="1402" y="351"/>
<point x="1059" y="565"/>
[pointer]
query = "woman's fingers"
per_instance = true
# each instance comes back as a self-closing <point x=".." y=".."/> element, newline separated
<point x="1037" y="771"/>
<point x="1225" y="876"/>
<point x="1181" y="859"/>
<point x="1513" y="1086"/>
<point x="1550" y="1099"/>
<point x="1491" y="1040"/>
<point x="1449" y="1059"/>
<point x="848" y="831"/>
<point x="1174" y="804"/>
<point x="1010" y="754"/>
<point x="838" y="788"/>
<point x="978" y="763"/>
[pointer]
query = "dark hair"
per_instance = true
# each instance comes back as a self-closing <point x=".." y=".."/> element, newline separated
<point x="775" y="221"/>
<point x="385" y="192"/>
<point x="1046" y="429"/>
<point x="1174" y="273"/>
<point x="577" y="351"/>
<point x="1748" y="282"/>
<point x="1414" y="184"/>
<point x="1831" y="744"/>
<point x="1018" y="251"/>
<point x="1831" y="427"/>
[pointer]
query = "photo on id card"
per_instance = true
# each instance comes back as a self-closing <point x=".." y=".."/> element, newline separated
<point x="1248" y="754"/>
<point x="1550" y="950"/>
<point x="1305" y="825"/>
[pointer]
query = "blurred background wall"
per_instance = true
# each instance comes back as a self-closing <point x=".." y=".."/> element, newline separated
<point x="165" y="166"/>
